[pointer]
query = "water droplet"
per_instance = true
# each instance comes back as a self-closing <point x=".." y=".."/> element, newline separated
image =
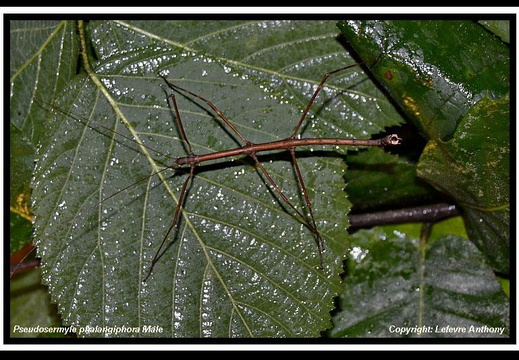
<point x="357" y="253"/>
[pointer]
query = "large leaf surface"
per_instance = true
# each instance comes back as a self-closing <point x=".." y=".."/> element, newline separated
<point x="399" y="286"/>
<point x="434" y="70"/>
<point x="474" y="167"/>
<point x="40" y="64"/>
<point x="241" y="263"/>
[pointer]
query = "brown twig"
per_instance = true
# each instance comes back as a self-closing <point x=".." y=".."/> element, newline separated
<point x="426" y="213"/>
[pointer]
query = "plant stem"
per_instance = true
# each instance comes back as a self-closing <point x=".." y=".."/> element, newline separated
<point x="426" y="213"/>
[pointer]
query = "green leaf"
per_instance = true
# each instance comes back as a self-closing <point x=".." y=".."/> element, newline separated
<point x="376" y="179"/>
<point x="474" y="168"/>
<point x="241" y="264"/>
<point x="500" y="28"/>
<point x="435" y="70"/>
<point x="400" y="288"/>
<point x="43" y="58"/>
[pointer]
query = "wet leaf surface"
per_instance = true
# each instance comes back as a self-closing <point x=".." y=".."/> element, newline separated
<point x="399" y="288"/>
<point x="474" y="168"/>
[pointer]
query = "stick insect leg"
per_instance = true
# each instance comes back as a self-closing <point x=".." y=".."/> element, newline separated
<point x="274" y="185"/>
<point x="312" y="226"/>
<point x="180" y="203"/>
<point x="211" y="105"/>
<point x="183" y="192"/>
<point x="320" y="245"/>
<point x="310" y="103"/>
<point x="179" y="123"/>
